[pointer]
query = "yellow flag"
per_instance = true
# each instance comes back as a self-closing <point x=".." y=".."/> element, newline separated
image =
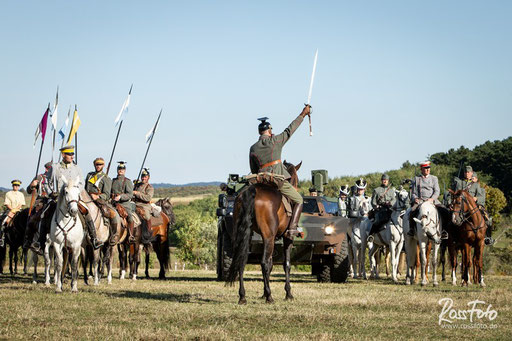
<point x="74" y="126"/>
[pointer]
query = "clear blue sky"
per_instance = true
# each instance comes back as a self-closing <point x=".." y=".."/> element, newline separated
<point x="396" y="80"/>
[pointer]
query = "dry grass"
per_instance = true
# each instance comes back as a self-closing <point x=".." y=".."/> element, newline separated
<point x="191" y="304"/>
<point x="184" y="200"/>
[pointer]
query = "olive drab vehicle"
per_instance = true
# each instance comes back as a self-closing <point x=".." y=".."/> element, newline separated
<point x="324" y="246"/>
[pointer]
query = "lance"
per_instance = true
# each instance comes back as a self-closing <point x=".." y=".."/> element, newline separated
<point x="64" y="138"/>
<point x="33" y="198"/>
<point x="125" y="107"/>
<point x="311" y="90"/>
<point x="54" y="126"/>
<point x="149" y="146"/>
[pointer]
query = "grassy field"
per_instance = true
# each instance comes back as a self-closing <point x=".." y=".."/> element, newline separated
<point x="191" y="304"/>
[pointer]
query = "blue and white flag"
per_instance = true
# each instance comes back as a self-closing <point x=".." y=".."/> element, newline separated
<point x="124" y="108"/>
<point x="62" y="131"/>
<point x="54" y="113"/>
<point x="153" y="130"/>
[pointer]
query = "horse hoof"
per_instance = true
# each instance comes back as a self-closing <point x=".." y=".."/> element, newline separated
<point x="58" y="291"/>
<point x="436" y="284"/>
<point x="289" y="297"/>
<point x="482" y="285"/>
<point x="269" y="300"/>
<point x="423" y="284"/>
<point x="242" y="301"/>
<point x="34" y="282"/>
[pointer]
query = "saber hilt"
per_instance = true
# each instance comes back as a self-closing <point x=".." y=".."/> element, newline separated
<point x="309" y="116"/>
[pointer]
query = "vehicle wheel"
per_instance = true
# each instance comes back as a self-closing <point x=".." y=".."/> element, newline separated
<point x="340" y="266"/>
<point x="324" y="276"/>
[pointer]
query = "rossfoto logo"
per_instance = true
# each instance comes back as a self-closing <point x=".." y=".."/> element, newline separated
<point x="477" y="315"/>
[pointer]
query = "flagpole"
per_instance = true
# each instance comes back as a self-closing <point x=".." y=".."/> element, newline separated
<point x="64" y="138"/>
<point x="113" y="149"/>
<point x="149" y="146"/>
<point x="76" y="148"/>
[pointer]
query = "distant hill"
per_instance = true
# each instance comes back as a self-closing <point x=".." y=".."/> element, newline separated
<point x="3" y="189"/>
<point x="192" y="184"/>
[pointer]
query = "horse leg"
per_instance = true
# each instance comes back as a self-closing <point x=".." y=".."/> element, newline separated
<point x="287" y="246"/>
<point x="479" y="263"/>
<point x="58" y="268"/>
<point x="361" y="259"/>
<point x="371" y="256"/>
<point x="11" y="256"/>
<point x="34" y="261"/>
<point x="466" y="251"/>
<point x="147" y="262"/>
<point x="25" y="261"/>
<point x="109" y="259"/>
<point x="452" y="254"/>
<point x="84" y="258"/>
<point x="434" y="265"/>
<point x="423" y="263"/>
<point x="392" y="259"/>
<point x="351" y="261"/>
<point x="47" y="263"/>
<point x="266" y="267"/>
<point x="427" y="255"/>
<point x="387" y="260"/>
<point x="75" y="255"/>
<point x="410" y="254"/>
<point x="96" y="266"/>
<point x="443" y="261"/>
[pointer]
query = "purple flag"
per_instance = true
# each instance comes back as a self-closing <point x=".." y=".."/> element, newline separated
<point x="41" y="128"/>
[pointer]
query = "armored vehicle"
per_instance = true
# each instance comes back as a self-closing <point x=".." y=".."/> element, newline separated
<point x="324" y="246"/>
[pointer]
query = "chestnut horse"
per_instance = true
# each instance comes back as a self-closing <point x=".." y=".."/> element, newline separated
<point x="470" y="233"/>
<point x="259" y="208"/>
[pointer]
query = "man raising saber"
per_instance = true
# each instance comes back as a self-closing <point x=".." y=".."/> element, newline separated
<point x="265" y="156"/>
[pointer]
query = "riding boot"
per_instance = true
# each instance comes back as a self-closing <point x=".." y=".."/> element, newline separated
<point x="294" y="222"/>
<point x="488" y="236"/>
<point x="131" y="236"/>
<point x="35" y="246"/>
<point x="149" y="230"/>
<point x="2" y="238"/>
<point x="91" y="229"/>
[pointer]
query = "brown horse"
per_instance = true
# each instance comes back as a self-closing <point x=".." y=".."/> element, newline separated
<point x="160" y="243"/>
<point x="259" y="208"/>
<point x="470" y="233"/>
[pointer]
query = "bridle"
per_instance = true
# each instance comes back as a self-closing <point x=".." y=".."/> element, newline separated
<point x="66" y="228"/>
<point x="465" y="216"/>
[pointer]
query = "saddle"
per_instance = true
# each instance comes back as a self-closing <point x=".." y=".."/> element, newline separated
<point x="273" y="180"/>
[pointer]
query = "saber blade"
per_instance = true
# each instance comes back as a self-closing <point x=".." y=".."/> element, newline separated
<point x="311" y="90"/>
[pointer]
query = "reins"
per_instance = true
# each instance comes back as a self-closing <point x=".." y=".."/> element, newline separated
<point x="467" y="217"/>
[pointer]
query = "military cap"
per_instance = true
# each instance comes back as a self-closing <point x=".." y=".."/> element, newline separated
<point x="361" y="183"/>
<point x="425" y="164"/>
<point x="469" y="169"/>
<point x="98" y="161"/>
<point x="264" y="125"/>
<point x="48" y="165"/>
<point x="15" y="182"/>
<point x="122" y="164"/>
<point x="145" y="172"/>
<point x="344" y="190"/>
<point x="69" y="149"/>
<point x="384" y="177"/>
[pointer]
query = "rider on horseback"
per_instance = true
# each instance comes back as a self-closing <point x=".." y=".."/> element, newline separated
<point x="343" y="200"/>
<point x="142" y="195"/>
<point x="383" y="199"/>
<point x="14" y="201"/>
<point x="358" y="198"/>
<point x="471" y="184"/>
<point x="265" y="156"/>
<point x="426" y="188"/>
<point x="98" y="185"/>
<point x="122" y="193"/>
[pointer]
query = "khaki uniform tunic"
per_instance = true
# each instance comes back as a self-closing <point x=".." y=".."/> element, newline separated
<point x="16" y="200"/>
<point x="143" y="198"/>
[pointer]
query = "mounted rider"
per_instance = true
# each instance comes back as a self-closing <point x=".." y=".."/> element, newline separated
<point x="383" y="199"/>
<point x="425" y="187"/>
<point x="471" y="185"/>
<point x="98" y="185"/>
<point x="14" y="202"/>
<point x="343" y="200"/>
<point x="358" y="200"/>
<point x="265" y="156"/>
<point x="142" y="195"/>
<point x="121" y="195"/>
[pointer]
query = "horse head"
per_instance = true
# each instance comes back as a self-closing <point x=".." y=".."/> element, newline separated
<point x="167" y="208"/>
<point x="292" y="169"/>
<point x="462" y="204"/>
<point x="429" y="221"/>
<point x="70" y="193"/>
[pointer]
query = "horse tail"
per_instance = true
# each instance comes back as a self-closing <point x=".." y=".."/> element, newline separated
<point x="242" y="233"/>
<point x="165" y="253"/>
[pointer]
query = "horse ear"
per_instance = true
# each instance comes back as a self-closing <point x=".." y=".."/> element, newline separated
<point x="298" y="166"/>
<point x="417" y="220"/>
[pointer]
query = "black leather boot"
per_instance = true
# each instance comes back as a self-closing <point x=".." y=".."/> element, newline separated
<point x="294" y="221"/>
<point x="131" y="236"/>
<point x="91" y="229"/>
<point x="412" y="226"/>
<point x="36" y="244"/>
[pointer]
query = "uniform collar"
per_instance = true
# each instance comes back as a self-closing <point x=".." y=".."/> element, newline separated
<point x="425" y="176"/>
<point x="65" y="165"/>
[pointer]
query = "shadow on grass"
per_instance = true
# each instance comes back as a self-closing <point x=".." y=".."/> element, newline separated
<point x="278" y="277"/>
<point x="7" y="278"/>
<point x="168" y="297"/>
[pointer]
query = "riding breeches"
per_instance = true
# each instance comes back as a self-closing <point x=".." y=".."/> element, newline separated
<point x="291" y="193"/>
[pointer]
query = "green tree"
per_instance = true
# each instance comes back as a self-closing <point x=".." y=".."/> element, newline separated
<point x="495" y="202"/>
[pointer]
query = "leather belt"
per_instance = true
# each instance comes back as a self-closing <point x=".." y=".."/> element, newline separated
<point x="271" y="163"/>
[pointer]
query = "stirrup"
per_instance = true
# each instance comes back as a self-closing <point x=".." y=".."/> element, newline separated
<point x="96" y="244"/>
<point x="444" y="235"/>
<point x="35" y="247"/>
<point x="131" y="239"/>
<point x="489" y="241"/>
<point x="369" y="239"/>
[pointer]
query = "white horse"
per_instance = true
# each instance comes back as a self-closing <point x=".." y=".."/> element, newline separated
<point x="48" y="254"/>
<point x="358" y="233"/>
<point x="427" y="227"/>
<point x="391" y="237"/>
<point x="67" y="232"/>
